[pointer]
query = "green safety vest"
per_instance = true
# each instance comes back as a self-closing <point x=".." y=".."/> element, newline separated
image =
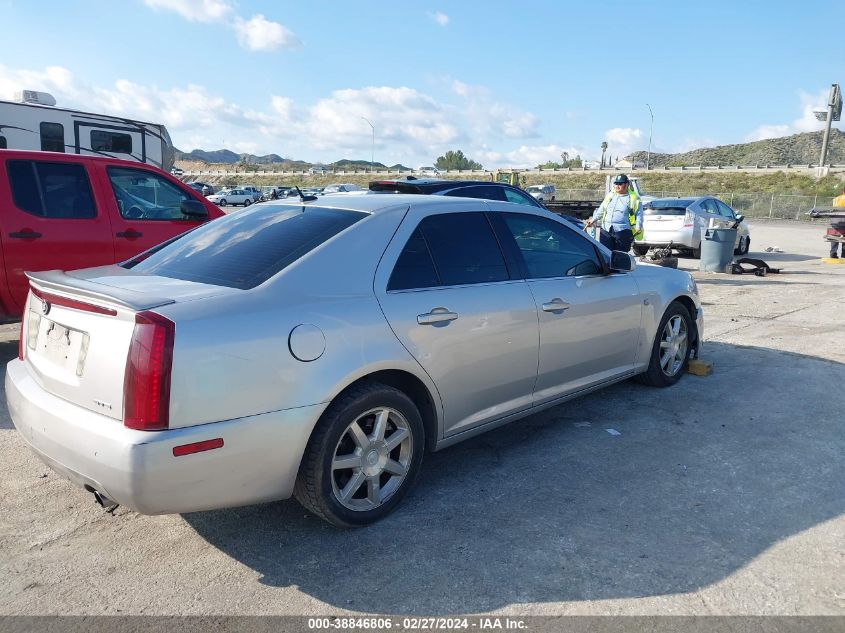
<point x="633" y="207"/>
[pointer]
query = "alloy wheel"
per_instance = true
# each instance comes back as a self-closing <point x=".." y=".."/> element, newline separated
<point x="673" y="345"/>
<point x="372" y="459"/>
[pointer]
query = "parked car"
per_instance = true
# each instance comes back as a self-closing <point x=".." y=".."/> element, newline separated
<point x="484" y="189"/>
<point x="240" y="363"/>
<point x="71" y="211"/>
<point x="680" y="220"/>
<point x="254" y="191"/>
<point x="201" y="187"/>
<point x="176" y="171"/>
<point x="232" y="196"/>
<point x="543" y="193"/>
<point x="344" y="188"/>
<point x="429" y="171"/>
<point x="318" y="170"/>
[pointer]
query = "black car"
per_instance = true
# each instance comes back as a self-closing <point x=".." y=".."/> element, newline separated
<point x="483" y="189"/>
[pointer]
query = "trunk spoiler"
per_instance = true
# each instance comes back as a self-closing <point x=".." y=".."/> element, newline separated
<point x="61" y="282"/>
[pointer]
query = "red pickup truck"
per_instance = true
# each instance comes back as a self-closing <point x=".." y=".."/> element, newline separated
<point x="67" y="211"/>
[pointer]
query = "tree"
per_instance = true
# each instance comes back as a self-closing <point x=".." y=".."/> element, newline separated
<point x="456" y="160"/>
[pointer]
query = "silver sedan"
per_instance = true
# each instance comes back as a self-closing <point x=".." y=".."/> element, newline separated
<point x="320" y="350"/>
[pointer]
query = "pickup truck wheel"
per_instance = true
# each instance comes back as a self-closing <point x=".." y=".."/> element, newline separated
<point x="640" y="249"/>
<point x="363" y="456"/>
<point x="672" y="347"/>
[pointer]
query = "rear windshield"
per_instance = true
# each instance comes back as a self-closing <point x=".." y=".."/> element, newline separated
<point x="674" y="206"/>
<point x="245" y="249"/>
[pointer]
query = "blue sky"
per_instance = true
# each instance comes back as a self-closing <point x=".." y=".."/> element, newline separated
<point x="509" y="83"/>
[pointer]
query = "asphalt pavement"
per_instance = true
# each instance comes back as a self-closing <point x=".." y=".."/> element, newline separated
<point x="721" y="495"/>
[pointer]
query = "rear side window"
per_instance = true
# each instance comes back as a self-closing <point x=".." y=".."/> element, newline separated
<point x="52" y="137"/>
<point x="462" y="250"/>
<point x="2" y="142"/>
<point x="144" y="195"/>
<point x="676" y="210"/>
<point x="245" y="249"/>
<point x="482" y="192"/>
<point x="114" y="142"/>
<point x="51" y="190"/>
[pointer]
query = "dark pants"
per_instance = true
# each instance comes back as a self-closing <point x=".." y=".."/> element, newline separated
<point x="833" y="247"/>
<point x="617" y="240"/>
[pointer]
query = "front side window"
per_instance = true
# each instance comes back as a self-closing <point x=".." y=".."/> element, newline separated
<point x="725" y="210"/>
<point x="114" y="142"/>
<point x="450" y="249"/>
<point x="52" y="137"/>
<point x="143" y="195"/>
<point x="51" y="190"/>
<point x="244" y="250"/>
<point x="550" y="249"/>
<point x="3" y="144"/>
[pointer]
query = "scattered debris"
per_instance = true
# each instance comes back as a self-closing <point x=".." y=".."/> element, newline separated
<point x="774" y="249"/>
<point x="699" y="367"/>
<point x="613" y="431"/>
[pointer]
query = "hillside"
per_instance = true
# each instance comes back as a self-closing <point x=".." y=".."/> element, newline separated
<point x="798" y="149"/>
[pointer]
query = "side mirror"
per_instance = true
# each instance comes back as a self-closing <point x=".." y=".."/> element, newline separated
<point x="739" y="218"/>
<point x="194" y="209"/>
<point x="621" y="262"/>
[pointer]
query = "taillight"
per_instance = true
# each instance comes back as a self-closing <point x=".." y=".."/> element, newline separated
<point x="146" y="385"/>
<point x="20" y="340"/>
<point x="688" y="218"/>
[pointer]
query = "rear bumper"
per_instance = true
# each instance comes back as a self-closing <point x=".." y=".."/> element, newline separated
<point x="683" y="238"/>
<point x="258" y="461"/>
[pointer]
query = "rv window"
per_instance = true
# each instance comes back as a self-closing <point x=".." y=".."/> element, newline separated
<point x="51" y="190"/>
<point x="52" y="137"/>
<point x="102" y="141"/>
<point x="143" y="195"/>
<point x="2" y="142"/>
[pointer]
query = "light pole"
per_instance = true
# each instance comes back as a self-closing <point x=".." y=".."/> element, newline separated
<point x="650" y="129"/>
<point x="603" y="150"/>
<point x="373" y="150"/>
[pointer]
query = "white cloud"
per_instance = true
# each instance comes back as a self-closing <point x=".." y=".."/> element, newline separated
<point x="261" y="34"/>
<point x="621" y="141"/>
<point x="441" y="18"/>
<point x="525" y="156"/>
<point x="411" y="127"/>
<point x="195" y="10"/>
<point x="256" y="34"/>
<point x="491" y="119"/>
<point x="807" y="122"/>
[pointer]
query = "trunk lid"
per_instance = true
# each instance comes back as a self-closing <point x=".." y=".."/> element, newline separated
<point x="78" y="327"/>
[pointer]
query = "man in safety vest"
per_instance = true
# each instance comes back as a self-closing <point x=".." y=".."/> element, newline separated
<point x="620" y="216"/>
<point x="838" y="201"/>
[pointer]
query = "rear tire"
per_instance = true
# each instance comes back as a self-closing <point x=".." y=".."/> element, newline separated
<point x="640" y="249"/>
<point x="222" y="203"/>
<point x="672" y="347"/>
<point x="247" y="202"/>
<point x="696" y="252"/>
<point x="363" y="456"/>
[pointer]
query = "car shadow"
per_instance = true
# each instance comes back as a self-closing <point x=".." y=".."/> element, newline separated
<point x="693" y="484"/>
<point x="8" y="351"/>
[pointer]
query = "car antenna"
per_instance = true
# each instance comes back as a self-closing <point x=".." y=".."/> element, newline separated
<point x="302" y="196"/>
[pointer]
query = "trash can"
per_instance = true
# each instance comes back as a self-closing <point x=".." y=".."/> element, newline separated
<point x="717" y="250"/>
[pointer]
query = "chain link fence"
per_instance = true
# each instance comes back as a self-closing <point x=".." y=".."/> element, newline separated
<point x="780" y="206"/>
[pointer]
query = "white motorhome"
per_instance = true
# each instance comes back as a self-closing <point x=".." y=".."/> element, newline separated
<point x="33" y="122"/>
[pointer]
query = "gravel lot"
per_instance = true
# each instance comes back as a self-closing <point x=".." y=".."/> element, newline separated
<point x="722" y="495"/>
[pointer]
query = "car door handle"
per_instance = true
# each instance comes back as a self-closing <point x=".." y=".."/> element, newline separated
<point x="555" y="305"/>
<point x="437" y="315"/>
<point x="130" y="234"/>
<point x="25" y="235"/>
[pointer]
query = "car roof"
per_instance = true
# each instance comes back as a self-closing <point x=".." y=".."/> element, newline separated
<point x="429" y="185"/>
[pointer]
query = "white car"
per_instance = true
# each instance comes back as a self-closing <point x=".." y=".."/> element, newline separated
<point x="232" y="196"/>
<point x="429" y="171"/>
<point x="543" y="193"/>
<point x="318" y="169"/>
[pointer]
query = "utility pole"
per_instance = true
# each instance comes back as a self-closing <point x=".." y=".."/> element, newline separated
<point x="373" y="150"/>
<point x="650" y="129"/>
<point x="834" y="111"/>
